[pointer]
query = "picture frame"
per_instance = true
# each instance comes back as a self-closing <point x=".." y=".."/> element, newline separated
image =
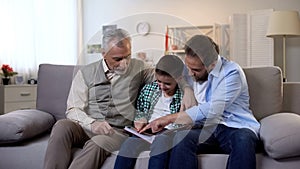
<point x="106" y="28"/>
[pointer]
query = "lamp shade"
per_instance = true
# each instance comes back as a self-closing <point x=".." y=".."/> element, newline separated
<point x="284" y="23"/>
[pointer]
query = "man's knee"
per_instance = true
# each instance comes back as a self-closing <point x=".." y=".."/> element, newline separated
<point x="91" y="146"/>
<point x="107" y="142"/>
<point x="161" y="144"/>
<point x="163" y="139"/>
<point x="183" y="138"/>
<point x="244" y="137"/>
<point x="63" y="127"/>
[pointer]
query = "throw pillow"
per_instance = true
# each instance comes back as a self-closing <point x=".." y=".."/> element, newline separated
<point x="22" y="124"/>
<point x="280" y="134"/>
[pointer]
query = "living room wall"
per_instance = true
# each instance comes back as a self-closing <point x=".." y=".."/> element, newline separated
<point x="127" y="13"/>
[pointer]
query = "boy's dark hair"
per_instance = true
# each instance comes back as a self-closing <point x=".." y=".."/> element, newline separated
<point x="169" y="65"/>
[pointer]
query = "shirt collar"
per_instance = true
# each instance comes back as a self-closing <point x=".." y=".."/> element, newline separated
<point x="216" y="70"/>
<point x="105" y="67"/>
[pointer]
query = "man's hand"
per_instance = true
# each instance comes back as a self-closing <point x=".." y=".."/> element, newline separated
<point x="188" y="99"/>
<point x="102" y="128"/>
<point x="139" y="124"/>
<point x="159" y="123"/>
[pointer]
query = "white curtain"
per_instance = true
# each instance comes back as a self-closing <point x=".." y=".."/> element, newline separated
<point x="38" y="31"/>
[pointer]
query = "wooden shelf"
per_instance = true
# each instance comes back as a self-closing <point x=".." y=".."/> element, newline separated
<point x="175" y="51"/>
<point x="178" y="35"/>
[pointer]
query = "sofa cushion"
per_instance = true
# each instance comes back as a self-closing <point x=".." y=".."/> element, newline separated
<point x="22" y="124"/>
<point x="280" y="134"/>
<point x="265" y="90"/>
<point x="54" y="82"/>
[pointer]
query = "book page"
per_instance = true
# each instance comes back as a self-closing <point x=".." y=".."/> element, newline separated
<point x="147" y="137"/>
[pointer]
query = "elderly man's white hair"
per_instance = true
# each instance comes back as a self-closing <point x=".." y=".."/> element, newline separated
<point x="116" y="35"/>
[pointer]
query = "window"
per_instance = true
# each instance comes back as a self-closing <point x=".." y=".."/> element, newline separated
<point x="37" y="31"/>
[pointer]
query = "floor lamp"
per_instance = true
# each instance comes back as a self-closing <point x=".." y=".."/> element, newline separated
<point x="284" y="24"/>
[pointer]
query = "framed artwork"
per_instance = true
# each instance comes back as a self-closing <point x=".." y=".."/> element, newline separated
<point x="93" y="48"/>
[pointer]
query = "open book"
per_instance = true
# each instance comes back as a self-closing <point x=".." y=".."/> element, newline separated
<point x="149" y="137"/>
<point x="146" y="136"/>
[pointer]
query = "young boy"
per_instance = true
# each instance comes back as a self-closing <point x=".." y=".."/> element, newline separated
<point x="156" y="99"/>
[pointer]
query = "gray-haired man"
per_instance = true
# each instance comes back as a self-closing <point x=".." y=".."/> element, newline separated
<point x="100" y="103"/>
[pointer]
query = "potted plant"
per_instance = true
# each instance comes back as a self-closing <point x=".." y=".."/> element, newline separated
<point x="7" y="72"/>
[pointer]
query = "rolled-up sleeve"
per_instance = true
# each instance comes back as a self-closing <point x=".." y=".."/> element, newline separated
<point x="199" y="112"/>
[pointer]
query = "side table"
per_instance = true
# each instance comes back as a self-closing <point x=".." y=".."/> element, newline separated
<point x="17" y="97"/>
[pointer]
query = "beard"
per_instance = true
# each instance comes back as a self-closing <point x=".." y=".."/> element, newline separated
<point x="122" y="68"/>
<point x="121" y="71"/>
<point x="201" y="78"/>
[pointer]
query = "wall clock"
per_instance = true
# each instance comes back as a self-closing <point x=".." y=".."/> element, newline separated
<point x="143" y="28"/>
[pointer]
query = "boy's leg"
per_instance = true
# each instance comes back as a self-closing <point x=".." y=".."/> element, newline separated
<point x="160" y="150"/>
<point x="129" y="152"/>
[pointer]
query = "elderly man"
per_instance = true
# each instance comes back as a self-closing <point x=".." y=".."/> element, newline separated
<point x="100" y="103"/>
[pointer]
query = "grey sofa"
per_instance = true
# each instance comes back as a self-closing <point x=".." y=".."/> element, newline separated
<point x="24" y="133"/>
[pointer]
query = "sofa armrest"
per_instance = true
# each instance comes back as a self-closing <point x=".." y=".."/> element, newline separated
<point x="291" y="97"/>
<point x="23" y="124"/>
<point x="280" y="134"/>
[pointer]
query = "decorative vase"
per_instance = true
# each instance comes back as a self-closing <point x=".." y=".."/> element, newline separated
<point x="5" y="80"/>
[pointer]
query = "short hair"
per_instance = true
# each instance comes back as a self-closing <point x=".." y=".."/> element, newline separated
<point x="203" y="47"/>
<point x="114" y="34"/>
<point x="190" y="52"/>
<point x="170" y="65"/>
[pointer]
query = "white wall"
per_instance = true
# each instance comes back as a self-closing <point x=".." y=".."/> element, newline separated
<point x="159" y="13"/>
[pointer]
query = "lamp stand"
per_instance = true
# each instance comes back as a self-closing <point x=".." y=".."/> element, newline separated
<point x="283" y="58"/>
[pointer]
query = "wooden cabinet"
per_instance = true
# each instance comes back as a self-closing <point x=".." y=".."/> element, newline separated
<point x="17" y="97"/>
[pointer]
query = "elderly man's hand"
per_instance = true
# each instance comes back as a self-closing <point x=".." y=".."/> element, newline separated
<point x="102" y="127"/>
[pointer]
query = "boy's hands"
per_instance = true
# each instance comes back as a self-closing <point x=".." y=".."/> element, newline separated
<point x="160" y="123"/>
<point x="139" y="124"/>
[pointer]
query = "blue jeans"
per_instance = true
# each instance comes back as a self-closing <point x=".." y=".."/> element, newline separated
<point x="240" y="144"/>
<point x="133" y="146"/>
